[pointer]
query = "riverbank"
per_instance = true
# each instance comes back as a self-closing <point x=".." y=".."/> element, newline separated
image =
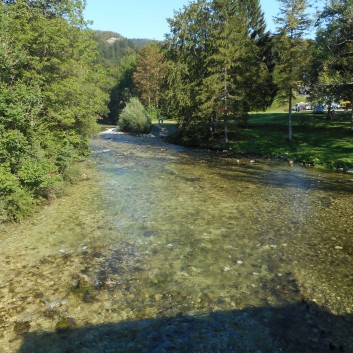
<point x="316" y="141"/>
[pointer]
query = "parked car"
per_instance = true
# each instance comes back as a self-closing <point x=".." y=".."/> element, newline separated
<point x="319" y="109"/>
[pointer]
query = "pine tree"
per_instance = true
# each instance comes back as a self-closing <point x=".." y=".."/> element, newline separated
<point x="292" y="24"/>
<point x="335" y="47"/>
<point x="187" y="47"/>
<point x="216" y="61"/>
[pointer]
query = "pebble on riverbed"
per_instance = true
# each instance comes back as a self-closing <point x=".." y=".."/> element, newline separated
<point x="22" y="327"/>
<point x="65" y="324"/>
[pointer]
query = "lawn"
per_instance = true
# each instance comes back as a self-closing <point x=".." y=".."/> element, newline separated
<point x="316" y="140"/>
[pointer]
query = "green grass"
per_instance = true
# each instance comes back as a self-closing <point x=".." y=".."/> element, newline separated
<point x="316" y="140"/>
<point x="281" y="107"/>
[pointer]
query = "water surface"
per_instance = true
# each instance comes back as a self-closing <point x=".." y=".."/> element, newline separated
<point x="165" y="249"/>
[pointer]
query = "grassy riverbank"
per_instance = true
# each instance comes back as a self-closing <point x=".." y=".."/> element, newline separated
<point x="316" y="140"/>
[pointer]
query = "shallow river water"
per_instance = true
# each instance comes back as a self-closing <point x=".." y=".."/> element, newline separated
<point x="164" y="249"/>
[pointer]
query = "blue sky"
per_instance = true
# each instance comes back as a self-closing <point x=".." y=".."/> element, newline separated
<point x="145" y="18"/>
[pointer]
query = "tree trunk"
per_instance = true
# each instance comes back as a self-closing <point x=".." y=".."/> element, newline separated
<point x="290" y="115"/>
<point x="212" y="126"/>
<point x="352" y="113"/>
<point x="226" y="129"/>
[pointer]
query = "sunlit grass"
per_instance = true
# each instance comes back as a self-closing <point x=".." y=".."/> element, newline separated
<point x="316" y="140"/>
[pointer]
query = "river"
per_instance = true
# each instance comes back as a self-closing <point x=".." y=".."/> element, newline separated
<point x="165" y="249"/>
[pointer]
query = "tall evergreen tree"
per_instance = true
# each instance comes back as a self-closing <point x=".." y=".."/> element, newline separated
<point x="292" y="23"/>
<point x="335" y="50"/>
<point x="235" y="68"/>
<point x="216" y="61"/>
<point x="187" y="47"/>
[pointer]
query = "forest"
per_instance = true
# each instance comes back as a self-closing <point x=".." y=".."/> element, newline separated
<point x="219" y="63"/>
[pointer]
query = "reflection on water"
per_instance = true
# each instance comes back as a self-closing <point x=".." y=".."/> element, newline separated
<point x="165" y="249"/>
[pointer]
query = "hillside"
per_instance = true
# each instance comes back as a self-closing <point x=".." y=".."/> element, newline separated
<point x="114" y="46"/>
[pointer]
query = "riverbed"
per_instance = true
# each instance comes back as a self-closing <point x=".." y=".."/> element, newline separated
<point x="165" y="249"/>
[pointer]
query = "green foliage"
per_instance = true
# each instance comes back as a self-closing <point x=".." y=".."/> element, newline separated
<point x="123" y="89"/>
<point x="153" y="113"/>
<point x="149" y="74"/>
<point x="292" y="51"/>
<point x="134" y="118"/>
<point x="334" y="53"/>
<point x="219" y="65"/>
<point x="52" y="91"/>
<point x="15" y="201"/>
<point x="112" y="47"/>
<point x="194" y="134"/>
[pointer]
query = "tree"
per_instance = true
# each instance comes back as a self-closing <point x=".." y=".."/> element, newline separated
<point x="215" y="61"/>
<point x="124" y="88"/>
<point x="335" y="50"/>
<point x="186" y="48"/>
<point x="149" y="74"/>
<point x="291" y="49"/>
<point x="52" y="91"/>
<point x="235" y="70"/>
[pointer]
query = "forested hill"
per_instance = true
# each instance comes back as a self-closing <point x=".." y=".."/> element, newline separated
<point x="114" y="46"/>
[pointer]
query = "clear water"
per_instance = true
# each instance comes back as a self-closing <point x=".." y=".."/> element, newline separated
<point x="169" y="250"/>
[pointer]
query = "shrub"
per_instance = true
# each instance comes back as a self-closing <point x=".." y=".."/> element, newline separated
<point x="134" y="118"/>
<point x="16" y="203"/>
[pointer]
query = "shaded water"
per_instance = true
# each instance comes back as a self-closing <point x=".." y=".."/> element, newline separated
<point x="165" y="249"/>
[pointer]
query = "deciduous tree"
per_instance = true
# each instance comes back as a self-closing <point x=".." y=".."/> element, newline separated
<point x="149" y="75"/>
<point x="51" y="93"/>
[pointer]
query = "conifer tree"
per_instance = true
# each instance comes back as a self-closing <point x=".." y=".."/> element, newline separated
<point x="187" y="47"/>
<point x="335" y="50"/>
<point x="292" y="24"/>
<point x="216" y="60"/>
<point x="234" y="69"/>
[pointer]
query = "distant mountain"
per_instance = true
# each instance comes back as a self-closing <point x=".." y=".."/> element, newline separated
<point x="140" y="42"/>
<point x="113" y="46"/>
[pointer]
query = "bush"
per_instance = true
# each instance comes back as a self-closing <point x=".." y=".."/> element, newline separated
<point x="16" y="203"/>
<point x="134" y="118"/>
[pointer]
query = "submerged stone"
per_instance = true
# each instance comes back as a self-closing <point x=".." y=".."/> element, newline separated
<point x="22" y="327"/>
<point x="65" y="324"/>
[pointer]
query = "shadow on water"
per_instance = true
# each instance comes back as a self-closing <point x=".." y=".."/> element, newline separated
<point x="299" y="328"/>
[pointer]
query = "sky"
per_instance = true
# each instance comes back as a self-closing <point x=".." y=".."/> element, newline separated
<point x="146" y="18"/>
